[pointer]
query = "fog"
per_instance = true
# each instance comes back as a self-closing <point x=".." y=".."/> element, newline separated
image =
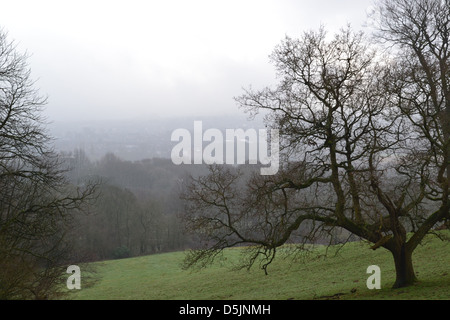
<point x="113" y="60"/>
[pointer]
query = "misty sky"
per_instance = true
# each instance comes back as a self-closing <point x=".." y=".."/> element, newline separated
<point x="135" y="59"/>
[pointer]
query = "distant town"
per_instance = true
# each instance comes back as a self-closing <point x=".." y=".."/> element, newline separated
<point x="134" y="140"/>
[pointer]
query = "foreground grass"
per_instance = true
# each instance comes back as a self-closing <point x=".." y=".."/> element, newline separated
<point x="339" y="275"/>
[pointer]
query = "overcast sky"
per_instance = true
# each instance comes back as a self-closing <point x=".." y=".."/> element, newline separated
<point x="135" y="59"/>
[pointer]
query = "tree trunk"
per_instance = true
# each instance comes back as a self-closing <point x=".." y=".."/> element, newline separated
<point x="404" y="269"/>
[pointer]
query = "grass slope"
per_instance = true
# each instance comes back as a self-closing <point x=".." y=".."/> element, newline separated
<point x="335" y="276"/>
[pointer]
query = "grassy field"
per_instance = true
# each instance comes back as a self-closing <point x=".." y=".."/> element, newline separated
<point x="335" y="276"/>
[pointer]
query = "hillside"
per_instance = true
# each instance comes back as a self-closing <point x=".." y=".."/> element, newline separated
<point x="341" y="274"/>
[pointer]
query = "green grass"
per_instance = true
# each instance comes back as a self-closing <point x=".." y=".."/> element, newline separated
<point x="335" y="276"/>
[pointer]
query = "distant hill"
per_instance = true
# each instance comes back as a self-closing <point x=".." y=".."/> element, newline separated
<point x="135" y="139"/>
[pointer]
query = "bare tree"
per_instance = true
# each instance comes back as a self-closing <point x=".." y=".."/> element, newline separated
<point x="36" y="203"/>
<point x="347" y="160"/>
<point x="417" y="35"/>
<point x="418" y="31"/>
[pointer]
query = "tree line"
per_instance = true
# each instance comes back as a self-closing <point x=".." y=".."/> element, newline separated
<point x="137" y="209"/>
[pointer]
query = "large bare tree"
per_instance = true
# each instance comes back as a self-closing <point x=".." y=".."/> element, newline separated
<point x="36" y="203"/>
<point x="348" y="161"/>
<point x="417" y="34"/>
